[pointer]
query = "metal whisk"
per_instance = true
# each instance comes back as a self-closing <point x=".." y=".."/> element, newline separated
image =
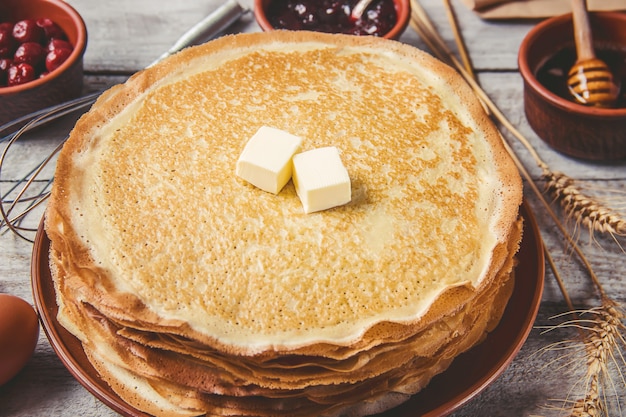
<point x="25" y="197"/>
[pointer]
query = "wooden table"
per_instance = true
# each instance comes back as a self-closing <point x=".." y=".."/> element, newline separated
<point x="125" y="36"/>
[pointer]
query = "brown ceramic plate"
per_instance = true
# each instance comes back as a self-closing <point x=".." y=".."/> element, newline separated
<point x="468" y="375"/>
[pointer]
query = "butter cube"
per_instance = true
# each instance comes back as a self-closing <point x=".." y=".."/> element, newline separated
<point x="321" y="180"/>
<point x="266" y="159"/>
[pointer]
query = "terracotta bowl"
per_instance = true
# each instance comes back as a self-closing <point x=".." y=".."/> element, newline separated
<point x="589" y="133"/>
<point x="62" y="84"/>
<point x="403" y="10"/>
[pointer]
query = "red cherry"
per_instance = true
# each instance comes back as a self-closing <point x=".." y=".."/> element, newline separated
<point x="7" y="44"/>
<point x="59" y="44"/>
<point x="30" y="53"/>
<point x="20" y="74"/>
<point x="51" y="30"/>
<point x="5" y="63"/>
<point x="27" y="31"/>
<point x="56" y="58"/>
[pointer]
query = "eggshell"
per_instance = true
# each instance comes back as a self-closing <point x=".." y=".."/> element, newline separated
<point x="19" y="331"/>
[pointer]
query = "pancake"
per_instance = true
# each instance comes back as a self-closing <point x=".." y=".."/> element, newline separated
<point x="220" y="298"/>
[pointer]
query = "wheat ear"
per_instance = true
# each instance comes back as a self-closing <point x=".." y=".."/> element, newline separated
<point x="582" y="208"/>
<point x="604" y="344"/>
<point x="590" y="406"/>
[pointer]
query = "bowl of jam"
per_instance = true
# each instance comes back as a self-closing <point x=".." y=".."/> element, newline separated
<point x="382" y="18"/>
<point x="545" y="56"/>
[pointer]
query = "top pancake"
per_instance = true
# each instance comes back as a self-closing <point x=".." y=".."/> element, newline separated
<point x="146" y="198"/>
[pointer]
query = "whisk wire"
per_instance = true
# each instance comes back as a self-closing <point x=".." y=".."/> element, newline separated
<point x="16" y="194"/>
<point x="47" y="115"/>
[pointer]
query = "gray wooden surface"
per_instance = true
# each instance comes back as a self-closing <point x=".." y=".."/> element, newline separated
<point x="125" y="36"/>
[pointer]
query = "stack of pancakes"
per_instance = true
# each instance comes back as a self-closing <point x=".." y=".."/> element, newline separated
<point x="193" y="292"/>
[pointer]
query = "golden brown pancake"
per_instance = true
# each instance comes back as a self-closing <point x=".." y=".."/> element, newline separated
<point x="219" y="298"/>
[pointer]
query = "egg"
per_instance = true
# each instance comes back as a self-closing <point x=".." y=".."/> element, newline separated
<point x="19" y="332"/>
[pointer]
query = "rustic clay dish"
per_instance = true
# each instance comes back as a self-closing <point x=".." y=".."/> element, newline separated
<point x="60" y="85"/>
<point x="469" y="374"/>
<point x="403" y="10"/>
<point x="590" y="133"/>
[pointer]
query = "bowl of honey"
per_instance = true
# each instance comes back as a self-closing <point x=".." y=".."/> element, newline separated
<point x="545" y="57"/>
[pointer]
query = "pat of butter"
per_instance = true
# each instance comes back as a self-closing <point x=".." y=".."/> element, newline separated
<point x="321" y="180"/>
<point x="266" y="159"/>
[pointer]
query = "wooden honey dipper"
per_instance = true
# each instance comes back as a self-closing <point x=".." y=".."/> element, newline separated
<point x="590" y="80"/>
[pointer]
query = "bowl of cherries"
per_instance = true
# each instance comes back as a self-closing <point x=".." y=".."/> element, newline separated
<point x="42" y="43"/>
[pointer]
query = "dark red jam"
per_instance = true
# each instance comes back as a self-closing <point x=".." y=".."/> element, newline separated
<point x="332" y="16"/>
<point x="553" y="73"/>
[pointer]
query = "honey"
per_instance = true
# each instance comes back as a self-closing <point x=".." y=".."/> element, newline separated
<point x="553" y="73"/>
